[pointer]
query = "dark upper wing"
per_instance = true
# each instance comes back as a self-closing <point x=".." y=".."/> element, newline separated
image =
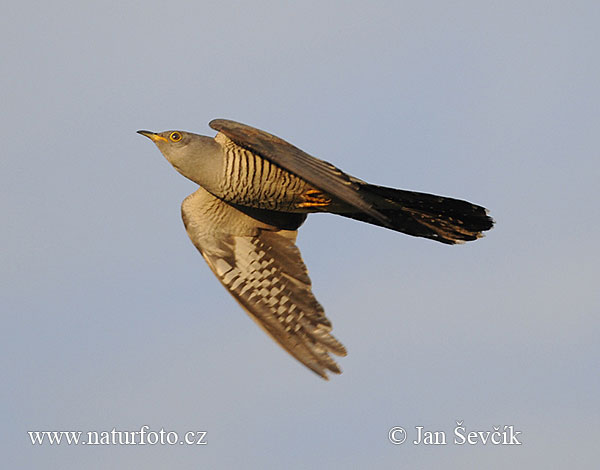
<point x="262" y="268"/>
<point x="321" y="174"/>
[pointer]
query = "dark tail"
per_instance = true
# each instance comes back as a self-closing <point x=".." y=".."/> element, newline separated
<point x="439" y="218"/>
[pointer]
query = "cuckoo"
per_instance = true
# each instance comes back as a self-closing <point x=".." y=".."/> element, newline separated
<point x="255" y="191"/>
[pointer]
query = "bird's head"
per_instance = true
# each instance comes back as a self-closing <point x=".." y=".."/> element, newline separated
<point x="172" y="144"/>
<point x="190" y="154"/>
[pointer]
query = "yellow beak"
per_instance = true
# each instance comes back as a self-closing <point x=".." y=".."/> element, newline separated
<point x="153" y="136"/>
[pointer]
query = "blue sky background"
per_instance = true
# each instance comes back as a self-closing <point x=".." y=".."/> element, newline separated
<point x="111" y="319"/>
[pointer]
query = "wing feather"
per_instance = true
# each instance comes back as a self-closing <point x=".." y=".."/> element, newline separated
<point x="319" y="173"/>
<point x="263" y="269"/>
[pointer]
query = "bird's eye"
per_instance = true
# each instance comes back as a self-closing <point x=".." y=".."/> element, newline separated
<point x="175" y="136"/>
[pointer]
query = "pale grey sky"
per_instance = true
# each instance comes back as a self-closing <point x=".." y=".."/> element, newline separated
<point x="111" y="319"/>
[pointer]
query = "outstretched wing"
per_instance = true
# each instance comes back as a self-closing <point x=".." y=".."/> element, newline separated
<point x="321" y="174"/>
<point x="262" y="268"/>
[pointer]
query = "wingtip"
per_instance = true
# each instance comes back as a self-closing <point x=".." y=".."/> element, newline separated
<point x="323" y="373"/>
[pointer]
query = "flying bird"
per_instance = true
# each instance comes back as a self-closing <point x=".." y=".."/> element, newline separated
<point x="255" y="191"/>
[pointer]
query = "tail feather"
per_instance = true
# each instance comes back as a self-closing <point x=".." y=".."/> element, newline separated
<point x="438" y="218"/>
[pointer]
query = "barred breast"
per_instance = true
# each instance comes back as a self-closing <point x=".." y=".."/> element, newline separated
<point x="251" y="180"/>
